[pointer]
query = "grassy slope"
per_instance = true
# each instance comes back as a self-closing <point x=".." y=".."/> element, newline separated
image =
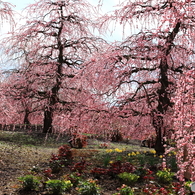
<point x="19" y="153"/>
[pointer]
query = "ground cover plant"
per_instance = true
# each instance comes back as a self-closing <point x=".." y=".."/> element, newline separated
<point x="119" y="168"/>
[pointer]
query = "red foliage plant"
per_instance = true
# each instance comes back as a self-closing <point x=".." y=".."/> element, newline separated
<point x="114" y="169"/>
<point x="79" y="166"/>
<point x="63" y="158"/>
<point x="78" y="140"/>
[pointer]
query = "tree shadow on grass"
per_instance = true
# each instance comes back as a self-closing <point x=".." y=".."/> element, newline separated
<point x="33" y="139"/>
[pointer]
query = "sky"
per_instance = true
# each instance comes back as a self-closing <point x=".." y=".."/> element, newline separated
<point x="108" y="5"/>
<point x="19" y="5"/>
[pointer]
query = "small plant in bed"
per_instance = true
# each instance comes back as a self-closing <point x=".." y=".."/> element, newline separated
<point x="128" y="178"/>
<point x="63" y="158"/>
<point x="29" y="182"/>
<point x="57" y="187"/>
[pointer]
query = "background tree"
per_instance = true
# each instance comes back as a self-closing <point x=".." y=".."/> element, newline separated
<point x="6" y="16"/>
<point x="52" y="47"/>
<point x="18" y="89"/>
<point x="141" y="72"/>
<point x="184" y="125"/>
<point x="6" y="13"/>
<point x="8" y="112"/>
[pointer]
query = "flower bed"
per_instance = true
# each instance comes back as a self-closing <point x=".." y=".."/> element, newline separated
<point x="107" y="171"/>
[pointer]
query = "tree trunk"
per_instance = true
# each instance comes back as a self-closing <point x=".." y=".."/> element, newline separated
<point x="26" y="115"/>
<point x="48" y="119"/>
<point x="48" y="113"/>
<point x="158" y="125"/>
<point x="163" y="104"/>
<point x="159" y="144"/>
<point x="163" y="95"/>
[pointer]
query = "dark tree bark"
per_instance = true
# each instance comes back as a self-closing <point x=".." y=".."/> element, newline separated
<point x="48" y="119"/>
<point x="26" y="117"/>
<point x="164" y="101"/>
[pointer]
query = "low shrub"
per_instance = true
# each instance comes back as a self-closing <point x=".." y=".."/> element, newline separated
<point x="63" y="158"/>
<point x="119" y="167"/>
<point x="98" y="171"/>
<point x="88" y="187"/>
<point x="74" y="178"/>
<point x="29" y="182"/>
<point x="124" y="190"/>
<point x="128" y="178"/>
<point x="79" y="166"/>
<point x="165" y="176"/>
<point x="57" y="187"/>
<point x="142" y="172"/>
<point x="78" y="141"/>
<point x="155" y="188"/>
